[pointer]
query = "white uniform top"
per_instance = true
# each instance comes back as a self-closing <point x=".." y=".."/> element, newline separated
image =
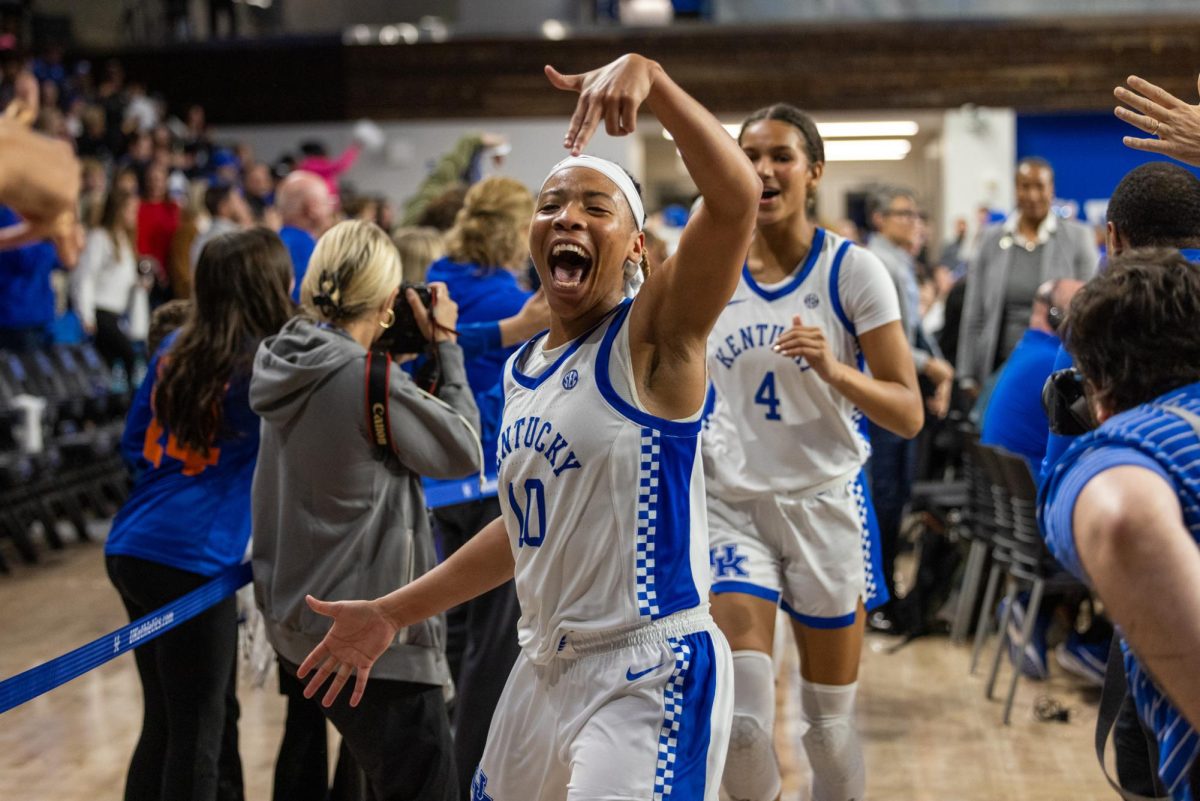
<point x="775" y="425"/>
<point x="603" y="502"/>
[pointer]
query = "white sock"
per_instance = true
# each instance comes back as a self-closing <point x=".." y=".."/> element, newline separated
<point x="751" y="771"/>
<point x="831" y="742"/>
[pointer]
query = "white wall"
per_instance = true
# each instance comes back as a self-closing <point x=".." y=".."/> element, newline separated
<point x="413" y="147"/>
<point x="979" y="154"/>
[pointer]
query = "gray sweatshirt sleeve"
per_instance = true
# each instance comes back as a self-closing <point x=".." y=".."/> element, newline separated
<point x="437" y="437"/>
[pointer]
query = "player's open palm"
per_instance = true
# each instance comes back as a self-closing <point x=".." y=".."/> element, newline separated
<point x="359" y="635"/>
<point x="612" y="93"/>
<point x="808" y="342"/>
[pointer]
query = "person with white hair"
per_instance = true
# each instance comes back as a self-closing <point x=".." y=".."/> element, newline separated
<point x="306" y="209"/>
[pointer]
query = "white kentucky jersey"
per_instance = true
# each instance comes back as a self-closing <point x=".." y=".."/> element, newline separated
<point x="603" y="502"/>
<point x="774" y="424"/>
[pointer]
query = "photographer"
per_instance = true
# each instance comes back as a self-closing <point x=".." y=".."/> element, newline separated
<point x="329" y="518"/>
<point x="1121" y="508"/>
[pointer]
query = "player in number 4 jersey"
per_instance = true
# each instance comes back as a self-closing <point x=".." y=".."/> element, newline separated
<point x="624" y="685"/>
<point x="789" y="516"/>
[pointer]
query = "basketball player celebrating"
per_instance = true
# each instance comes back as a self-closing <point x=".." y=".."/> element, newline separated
<point x="791" y="523"/>
<point x="624" y="685"/>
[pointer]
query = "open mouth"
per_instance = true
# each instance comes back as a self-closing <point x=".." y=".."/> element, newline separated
<point x="768" y="195"/>
<point x="569" y="265"/>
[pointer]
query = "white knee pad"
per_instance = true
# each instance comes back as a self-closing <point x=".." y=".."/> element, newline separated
<point x="831" y="742"/>
<point x="751" y="772"/>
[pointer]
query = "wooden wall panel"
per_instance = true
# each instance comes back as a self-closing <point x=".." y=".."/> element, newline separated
<point x="1045" y="64"/>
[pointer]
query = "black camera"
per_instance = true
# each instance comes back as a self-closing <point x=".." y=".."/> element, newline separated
<point x="405" y="336"/>
<point x="1066" y="404"/>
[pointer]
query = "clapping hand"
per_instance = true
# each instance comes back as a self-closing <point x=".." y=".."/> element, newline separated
<point x="808" y="341"/>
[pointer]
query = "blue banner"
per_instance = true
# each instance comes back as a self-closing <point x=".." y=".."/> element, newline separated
<point x="448" y="493"/>
<point x="44" y="678"/>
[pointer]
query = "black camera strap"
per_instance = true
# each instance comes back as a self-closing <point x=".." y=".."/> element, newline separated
<point x="379" y="424"/>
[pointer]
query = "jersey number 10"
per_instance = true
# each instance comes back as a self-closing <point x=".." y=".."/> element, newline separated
<point x="535" y="496"/>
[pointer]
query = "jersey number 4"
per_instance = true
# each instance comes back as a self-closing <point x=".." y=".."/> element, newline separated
<point x="535" y="505"/>
<point x="765" y="396"/>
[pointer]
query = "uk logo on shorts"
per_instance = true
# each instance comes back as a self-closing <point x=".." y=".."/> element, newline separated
<point x="571" y="379"/>
<point x="726" y="561"/>
<point x="479" y="786"/>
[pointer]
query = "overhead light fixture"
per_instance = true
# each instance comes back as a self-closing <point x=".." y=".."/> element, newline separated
<point x="848" y="130"/>
<point x="554" y="30"/>
<point x="358" y="34"/>
<point x="389" y="35"/>
<point x="867" y="149"/>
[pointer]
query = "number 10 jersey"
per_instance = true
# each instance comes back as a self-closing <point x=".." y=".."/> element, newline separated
<point x="774" y="425"/>
<point x="603" y="502"/>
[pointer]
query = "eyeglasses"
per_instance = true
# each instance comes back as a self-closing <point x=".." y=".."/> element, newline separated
<point x="908" y="214"/>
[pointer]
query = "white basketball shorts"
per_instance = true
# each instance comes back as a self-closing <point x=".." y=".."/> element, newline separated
<point x="639" y="715"/>
<point x="816" y="553"/>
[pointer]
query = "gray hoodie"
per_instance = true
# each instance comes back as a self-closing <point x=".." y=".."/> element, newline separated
<point x="330" y="520"/>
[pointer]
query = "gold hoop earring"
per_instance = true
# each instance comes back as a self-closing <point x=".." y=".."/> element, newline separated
<point x="390" y="320"/>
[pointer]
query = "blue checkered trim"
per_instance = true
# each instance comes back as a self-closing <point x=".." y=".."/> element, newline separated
<point x="647" y="521"/>
<point x="668" y="738"/>
<point x="871" y="584"/>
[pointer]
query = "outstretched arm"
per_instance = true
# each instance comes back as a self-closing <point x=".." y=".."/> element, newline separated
<point x="1173" y="125"/>
<point x="39" y="180"/>
<point x="1129" y="532"/>
<point x="363" y="630"/>
<point x="681" y="301"/>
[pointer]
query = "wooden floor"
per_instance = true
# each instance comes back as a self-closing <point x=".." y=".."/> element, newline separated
<point x="929" y="733"/>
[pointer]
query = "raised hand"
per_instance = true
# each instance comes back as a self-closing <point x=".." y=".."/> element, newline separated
<point x="612" y="93"/>
<point x="359" y="635"/>
<point x="1176" y="124"/>
<point x="39" y="180"/>
<point x="808" y="341"/>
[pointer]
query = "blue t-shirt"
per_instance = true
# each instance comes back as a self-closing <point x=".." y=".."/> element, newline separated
<point x="187" y="511"/>
<point x="483" y="295"/>
<point x="1015" y="419"/>
<point x="26" y="297"/>
<point x="300" y="245"/>
<point x="1146" y="436"/>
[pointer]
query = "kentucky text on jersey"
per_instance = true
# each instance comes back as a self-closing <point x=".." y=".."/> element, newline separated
<point x="538" y="434"/>
<point x="749" y="337"/>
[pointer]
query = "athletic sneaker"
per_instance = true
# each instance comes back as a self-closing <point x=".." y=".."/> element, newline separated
<point x="1033" y="662"/>
<point x="1087" y="660"/>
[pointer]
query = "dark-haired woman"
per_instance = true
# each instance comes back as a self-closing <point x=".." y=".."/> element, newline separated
<point x="790" y="520"/>
<point x="192" y="442"/>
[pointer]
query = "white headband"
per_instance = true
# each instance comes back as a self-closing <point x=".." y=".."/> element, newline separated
<point x="614" y="173"/>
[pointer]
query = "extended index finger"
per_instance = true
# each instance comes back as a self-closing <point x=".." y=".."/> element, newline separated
<point x="590" y="123"/>
<point x="1154" y="92"/>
